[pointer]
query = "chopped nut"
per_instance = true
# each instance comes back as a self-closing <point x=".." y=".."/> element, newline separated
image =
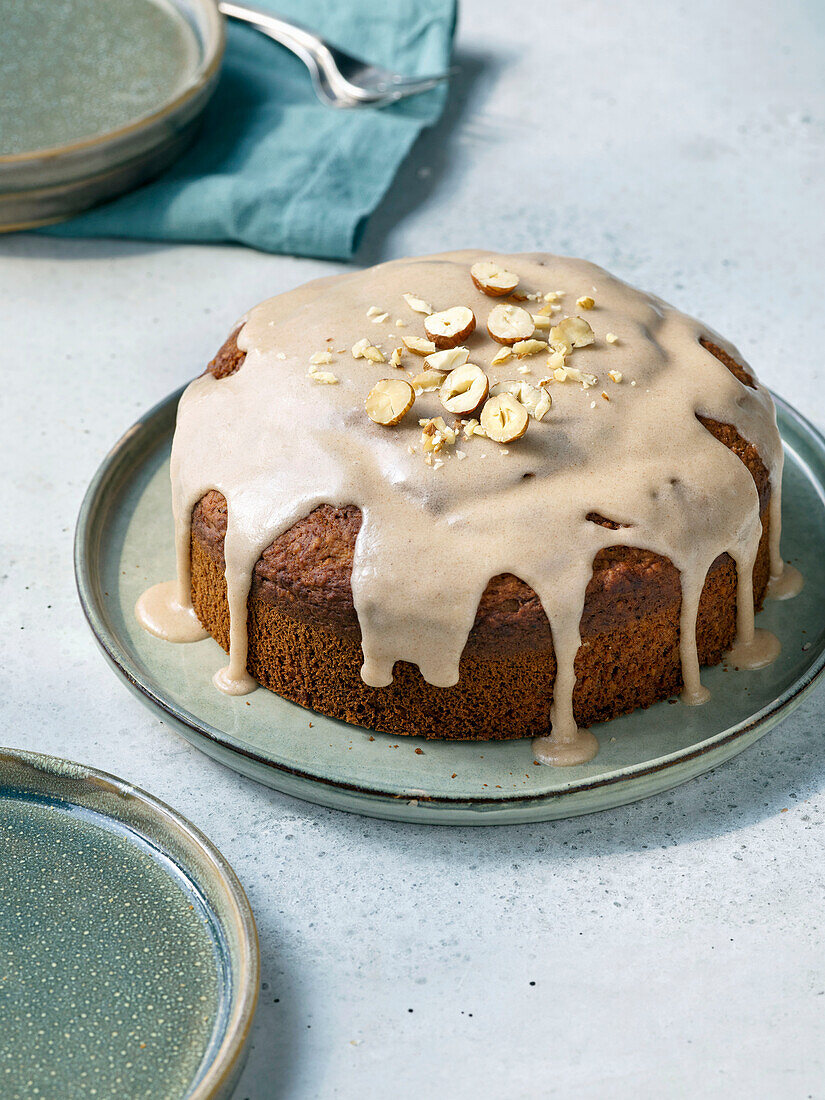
<point x="359" y="349"/>
<point x="400" y="324"/>
<point x="573" y="374"/>
<point x="379" y="318"/>
<point x="523" y="348"/>
<point x="435" y="434"/>
<point x="427" y="381"/>
<point x="605" y="396"/>
<point x="541" y="322"/>
<point x="373" y="311"/>
<point x="464" y="390"/>
<point x="612" y="338"/>
<point x="418" y="304"/>
<point x="321" y="357"/>
<point x="450" y="327"/>
<point x="418" y="345"/>
<point x="508" y="324"/>
<point x="375" y="355"/>
<point x="492" y="279"/>
<point x="501" y="356"/>
<point x="389" y="401"/>
<point x="459" y="454"/>
<point x="585" y="302"/>
<point x="615" y="375"/>
<point x="395" y="358"/>
<point x="448" y="360"/>
<point x="553" y="295"/>
<point x="548" y="308"/>
<point x="572" y="332"/>
<point x="504" y="419"/>
<point x="323" y="377"/>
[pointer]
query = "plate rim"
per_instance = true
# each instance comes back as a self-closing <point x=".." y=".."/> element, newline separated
<point x="229" y="1056"/>
<point x="763" y="720"/>
<point x="208" y="66"/>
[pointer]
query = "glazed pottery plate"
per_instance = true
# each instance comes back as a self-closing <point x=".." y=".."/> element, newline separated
<point x="130" y="956"/>
<point x="124" y="543"/>
<point x="131" y="136"/>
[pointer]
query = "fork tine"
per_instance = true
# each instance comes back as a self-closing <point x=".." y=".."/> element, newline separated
<point x="392" y="90"/>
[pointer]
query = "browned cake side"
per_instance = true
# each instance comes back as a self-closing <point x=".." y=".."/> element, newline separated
<point x="304" y="641"/>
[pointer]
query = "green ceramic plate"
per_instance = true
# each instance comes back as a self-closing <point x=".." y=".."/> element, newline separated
<point x="124" y="543"/>
<point x="129" y="952"/>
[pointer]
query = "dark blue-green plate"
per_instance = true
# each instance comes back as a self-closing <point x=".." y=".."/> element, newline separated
<point x="124" y="543"/>
<point x="129" y="956"/>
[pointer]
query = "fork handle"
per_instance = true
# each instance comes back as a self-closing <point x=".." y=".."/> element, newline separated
<point x="303" y="43"/>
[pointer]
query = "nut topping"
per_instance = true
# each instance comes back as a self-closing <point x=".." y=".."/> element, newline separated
<point x="504" y="419"/>
<point x="448" y="360"/>
<point x="572" y="332"/>
<point x="418" y="345"/>
<point x="389" y="401"/>
<point x="427" y="381"/>
<point x="538" y="402"/>
<point x="508" y="324"/>
<point x="464" y="390"/>
<point x="523" y="348"/>
<point x="450" y="327"/>
<point x="493" y="280"/>
<point x="418" y="305"/>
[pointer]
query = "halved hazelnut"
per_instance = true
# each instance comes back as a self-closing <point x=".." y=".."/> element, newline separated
<point x="450" y="327"/>
<point x="538" y="402"/>
<point x="492" y="279"/>
<point x="464" y="390"/>
<point x="389" y="401"/>
<point x="448" y="360"/>
<point x="572" y="332"/>
<point x="418" y="345"/>
<point x="504" y="419"/>
<point x="507" y="324"/>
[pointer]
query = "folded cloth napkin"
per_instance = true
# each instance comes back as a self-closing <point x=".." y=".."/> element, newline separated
<point x="274" y="168"/>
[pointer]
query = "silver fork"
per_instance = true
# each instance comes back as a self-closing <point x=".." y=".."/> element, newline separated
<point x="339" y="79"/>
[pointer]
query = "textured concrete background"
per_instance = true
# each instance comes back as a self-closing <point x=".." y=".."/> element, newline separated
<point x="671" y="948"/>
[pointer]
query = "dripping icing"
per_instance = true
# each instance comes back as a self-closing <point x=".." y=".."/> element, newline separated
<point x="430" y="539"/>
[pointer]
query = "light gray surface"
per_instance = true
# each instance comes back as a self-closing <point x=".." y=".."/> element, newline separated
<point x="675" y="945"/>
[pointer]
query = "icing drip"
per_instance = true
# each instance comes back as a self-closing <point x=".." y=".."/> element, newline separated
<point x="160" y="611"/>
<point x="276" y="445"/>
<point x="788" y="584"/>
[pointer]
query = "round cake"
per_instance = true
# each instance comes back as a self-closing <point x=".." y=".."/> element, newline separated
<point x="474" y="496"/>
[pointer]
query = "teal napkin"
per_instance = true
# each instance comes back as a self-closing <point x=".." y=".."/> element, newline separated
<point x="275" y="169"/>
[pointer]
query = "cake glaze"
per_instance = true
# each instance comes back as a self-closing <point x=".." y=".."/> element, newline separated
<point x="277" y="445"/>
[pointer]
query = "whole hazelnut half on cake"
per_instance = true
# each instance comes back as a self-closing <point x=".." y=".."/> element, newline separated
<point x="550" y="521"/>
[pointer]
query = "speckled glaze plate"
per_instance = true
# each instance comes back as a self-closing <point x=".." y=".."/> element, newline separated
<point x="124" y="543"/>
<point x="41" y="186"/>
<point x="130" y="956"/>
